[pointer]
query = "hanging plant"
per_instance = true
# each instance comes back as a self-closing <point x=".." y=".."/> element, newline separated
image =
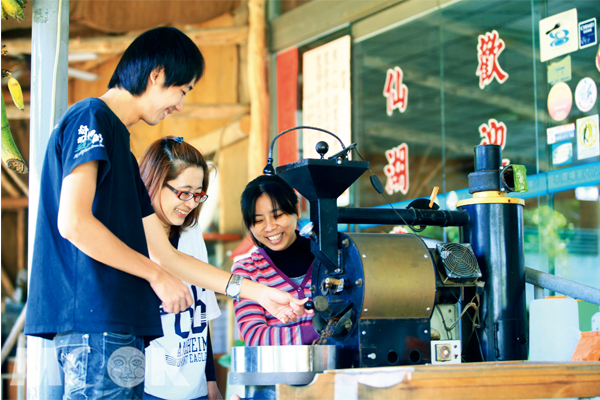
<point x="10" y="153"/>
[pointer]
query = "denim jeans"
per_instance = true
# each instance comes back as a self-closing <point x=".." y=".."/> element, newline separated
<point x="101" y="365"/>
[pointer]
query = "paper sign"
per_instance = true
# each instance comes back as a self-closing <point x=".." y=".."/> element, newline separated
<point x="560" y="133"/>
<point x="559" y="71"/>
<point x="326" y="99"/>
<point x="326" y="95"/>
<point x="588" y="144"/>
<point x="559" y="34"/>
<point x="587" y="33"/>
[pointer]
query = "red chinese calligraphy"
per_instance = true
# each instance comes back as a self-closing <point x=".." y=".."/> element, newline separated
<point x="395" y="91"/>
<point x="489" y="48"/>
<point x="397" y="170"/>
<point x="493" y="132"/>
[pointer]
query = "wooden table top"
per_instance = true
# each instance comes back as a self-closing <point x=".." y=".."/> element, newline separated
<point x="488" y="380"/>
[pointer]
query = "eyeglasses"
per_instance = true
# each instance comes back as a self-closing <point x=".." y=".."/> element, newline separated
<point x="185" y="196"/>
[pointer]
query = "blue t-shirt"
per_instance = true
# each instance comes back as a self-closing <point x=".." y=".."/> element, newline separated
<point x="70" y="291"/>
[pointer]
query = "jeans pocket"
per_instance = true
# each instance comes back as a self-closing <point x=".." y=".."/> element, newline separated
<point x="73" y="351"/>
<point x="120" y="339"/>
<point x="126" y="362"/>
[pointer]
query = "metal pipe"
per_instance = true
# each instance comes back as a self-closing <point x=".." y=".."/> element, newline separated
<point x="562" y="285"/>
<point x="49" y="31"/>
<point x="410" y="216"/>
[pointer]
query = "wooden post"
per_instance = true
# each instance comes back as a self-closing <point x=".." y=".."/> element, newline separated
<point x="257" y="81"/>
<point x="21" y="232"/>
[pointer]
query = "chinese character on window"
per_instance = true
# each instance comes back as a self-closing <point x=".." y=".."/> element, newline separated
<point x="494" y="132"/>
<point x="395" y="91"/>
<point x="397" y="169"/>
<point x="489" y="48"/>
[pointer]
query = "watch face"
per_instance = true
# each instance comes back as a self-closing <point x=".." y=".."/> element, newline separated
<point x="233" y="290"/>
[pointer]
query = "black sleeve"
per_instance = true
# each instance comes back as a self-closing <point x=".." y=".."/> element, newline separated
<point x="210" y="360"/>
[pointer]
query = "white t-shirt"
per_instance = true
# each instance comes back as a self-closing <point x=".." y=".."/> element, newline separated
<point x="176" y="362"/>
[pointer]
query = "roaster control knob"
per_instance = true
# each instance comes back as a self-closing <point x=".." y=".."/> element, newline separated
<point x="321" y="303"/>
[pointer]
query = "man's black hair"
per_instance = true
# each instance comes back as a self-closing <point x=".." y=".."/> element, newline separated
<point x="163" y="48"/>
<point x="282" y="197"/>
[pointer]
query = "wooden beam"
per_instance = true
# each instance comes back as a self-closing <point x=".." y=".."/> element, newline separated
<point x="317" y="17"/>
<point x="9" y="187"/>
<point x="9" y="203"/>
<point x="257" y="81"/>
<point x="223" y="137"/>
<point x="21" y="234"/>
<point x="212" y="111"/>
<point x="22" y="185"/>
<point x="198" y="111"/>
<point x="118" y="44"/>
<point x="12" y="112"/>
<point x="8" y="288"/>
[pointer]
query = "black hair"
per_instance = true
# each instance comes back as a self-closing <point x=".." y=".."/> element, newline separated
<point x="164" y="48"/>
<point x="282" y="197"/>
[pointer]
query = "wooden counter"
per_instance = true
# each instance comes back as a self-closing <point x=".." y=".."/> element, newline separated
<point x="501" y="380"/>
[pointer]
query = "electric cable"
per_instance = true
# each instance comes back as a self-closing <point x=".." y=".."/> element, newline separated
<point x="380" y="191"/>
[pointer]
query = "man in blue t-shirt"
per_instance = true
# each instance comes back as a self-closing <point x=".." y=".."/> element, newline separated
<point x="102" y="264"/>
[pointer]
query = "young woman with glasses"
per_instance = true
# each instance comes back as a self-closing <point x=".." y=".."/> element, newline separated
<point x="180" y="364"/>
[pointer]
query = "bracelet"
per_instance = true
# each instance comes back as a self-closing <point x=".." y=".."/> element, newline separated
<point x="228" y="282"/>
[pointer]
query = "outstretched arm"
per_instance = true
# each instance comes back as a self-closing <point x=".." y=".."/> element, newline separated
<point x="282" y="305"/>
<point x="77" y="224"/>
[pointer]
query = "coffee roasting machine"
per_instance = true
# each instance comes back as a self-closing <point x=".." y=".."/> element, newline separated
<point x="374" y="294"/>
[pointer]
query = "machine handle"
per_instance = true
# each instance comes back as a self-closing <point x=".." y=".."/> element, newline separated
<point x="319" y="303"/>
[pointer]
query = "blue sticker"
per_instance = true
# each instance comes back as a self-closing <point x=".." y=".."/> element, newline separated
<point x="560" y="133"/>
<point x="587" y="33"/>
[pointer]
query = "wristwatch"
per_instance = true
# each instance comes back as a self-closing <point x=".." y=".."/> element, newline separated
<point x="234" y="287"/>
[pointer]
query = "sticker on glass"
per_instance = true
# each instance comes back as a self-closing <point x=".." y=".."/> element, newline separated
<point x="587" y="33"/>
<point x="562" y="153"/>
<point x="559" y="35"/>
<point x="586" y="94"/>
<point x="560" y="133"/>
<point x="397" y="170"/>
<point x="560" y="101"/>
<point x="559" y="71"/>
<point x="587" y="137"/>
<point x="489" y="48"/>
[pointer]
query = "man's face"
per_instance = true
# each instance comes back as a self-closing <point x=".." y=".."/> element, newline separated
<point x="162" y="101"/>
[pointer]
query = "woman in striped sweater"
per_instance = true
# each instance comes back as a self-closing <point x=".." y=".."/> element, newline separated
<point x="282" y="260"/>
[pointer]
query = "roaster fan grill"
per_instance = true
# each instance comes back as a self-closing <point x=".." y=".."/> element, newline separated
<point x="459" y="260"/>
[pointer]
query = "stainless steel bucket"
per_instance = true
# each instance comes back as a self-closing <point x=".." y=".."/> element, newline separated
<point x="270" y="365"/>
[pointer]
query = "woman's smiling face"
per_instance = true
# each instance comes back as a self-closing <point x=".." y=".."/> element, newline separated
<point x="272" y="227"/>
<point x="171" y="207"/>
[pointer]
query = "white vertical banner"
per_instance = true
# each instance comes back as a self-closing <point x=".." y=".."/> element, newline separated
<point x="326" y="96"/>
<point x="326" y="99"/>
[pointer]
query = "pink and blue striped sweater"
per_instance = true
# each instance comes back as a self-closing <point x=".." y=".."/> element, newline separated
<point x="257" y="326"/>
